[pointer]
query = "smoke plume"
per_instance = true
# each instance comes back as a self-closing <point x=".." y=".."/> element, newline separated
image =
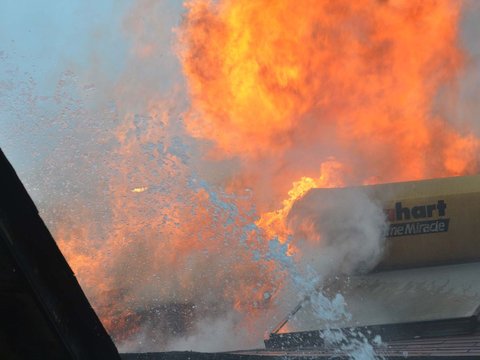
<point x="338" y="231"/>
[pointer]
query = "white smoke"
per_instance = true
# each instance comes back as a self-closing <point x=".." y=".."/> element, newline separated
<point x="214" y="334"/>
<point x="339" y="231"/>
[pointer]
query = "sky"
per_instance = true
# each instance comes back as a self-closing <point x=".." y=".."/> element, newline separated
<point x="51" y="55"/>
<point x="39" y="43"/>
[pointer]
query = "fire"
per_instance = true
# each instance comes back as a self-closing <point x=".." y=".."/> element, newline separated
<point x="354" y="80"/>
<point x="285" y="96"/>
<point x="187" y="245"/>
<point x="284" y="87"/>
<point x="274" y="223"/>
<point x="139" y="189"/>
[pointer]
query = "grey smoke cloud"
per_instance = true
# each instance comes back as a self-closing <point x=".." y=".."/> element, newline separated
<point x="339" y="231"/>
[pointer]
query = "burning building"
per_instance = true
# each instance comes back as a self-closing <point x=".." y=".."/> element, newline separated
<point x="200" y="220"/>
<point x="426" y="284"/>
<point x="421" y="300"/>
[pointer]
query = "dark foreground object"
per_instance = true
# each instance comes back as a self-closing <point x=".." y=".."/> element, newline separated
<point x="44" y="312"/>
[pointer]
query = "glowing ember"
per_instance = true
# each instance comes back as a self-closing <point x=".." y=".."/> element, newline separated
<point x="139" y="189"/>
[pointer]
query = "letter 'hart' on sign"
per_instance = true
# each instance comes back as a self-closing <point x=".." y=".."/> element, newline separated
<point x="417" y="212"/>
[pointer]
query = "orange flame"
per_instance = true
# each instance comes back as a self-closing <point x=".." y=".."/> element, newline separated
<point x="139" y="189"/>
<point x="356" y="80"/>
<point x="283" y="87"/>
<point x="274" y="223"/>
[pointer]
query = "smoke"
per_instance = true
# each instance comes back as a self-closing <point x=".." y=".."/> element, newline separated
<point x="217" y="334"/>
<point x="457" y="101"/>
<point x="338" y="231"/>
<point x="335" y="233"/>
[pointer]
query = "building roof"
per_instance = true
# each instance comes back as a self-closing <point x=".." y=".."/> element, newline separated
<point x="444" y="347"/>
<point x="44" y="312"/>
<point x="440" y="348"/>
<point x="400" y="296"/>
<point x="426" y="286"/>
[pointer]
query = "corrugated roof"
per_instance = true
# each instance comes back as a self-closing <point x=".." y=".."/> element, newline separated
<point x="444" y="348"/>
<point x="447" y="347"/>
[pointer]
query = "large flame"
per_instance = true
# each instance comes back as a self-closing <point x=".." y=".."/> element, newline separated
<point x="290" y="85"/>
<point x="274" y="223"/>
<point x="355" y="80"/>
<point x="288" y="96"/>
